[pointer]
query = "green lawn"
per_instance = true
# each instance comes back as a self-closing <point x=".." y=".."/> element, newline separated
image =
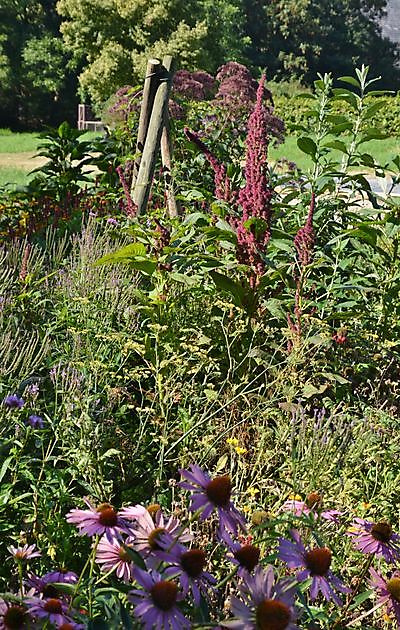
<point x="11" y="142"/>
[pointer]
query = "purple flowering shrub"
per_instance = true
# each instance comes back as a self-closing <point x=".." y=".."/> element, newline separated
<point x="273" y="571"/>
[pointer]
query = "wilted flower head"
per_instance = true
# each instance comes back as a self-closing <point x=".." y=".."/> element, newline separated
<point x="376" y="538"/>
<point x="156" y="603"/>
<point x="315" y="563"/>
<point x="13" y="402"/>
<point x="209" y="495"/>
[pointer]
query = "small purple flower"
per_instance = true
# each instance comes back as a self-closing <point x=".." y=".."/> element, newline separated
<point x="13" y="616"/>
<point x="24" y="553"/>
<point x="263" y="603"/>
<point x="375" y="538"/>
<point x="315" y="563"/>
<point x="13" y="402"/>
<point x="148" y="532"/>
<point x="112" y="221"/>
<point x="188" y="565"/>
<point x="213" y="494"/>
<point x="53" y="609"/>
<point x="156" y="605"/>
<point x="388" y="592"/>
<point x="113" y="556"/>
<point x="36" y="422"/>
<point x="303" y="508"/>
<point x="98" y="521"/>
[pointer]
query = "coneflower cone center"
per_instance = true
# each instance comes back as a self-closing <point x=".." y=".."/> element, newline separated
<point x="219" y="491"/>
<point x="49" y="590"/>
<point x="53" y="606"/>
<point x="107" y="515"/>
<point x="153" y="509"/>
<point x="193" y="562"/>
<point x="66" y="626"/>
<point x="382" y="531"/>
<point x="154" y="537"/>
<point x="272" y="615"/>
<point x="248" y="557"/>
<point x="313" y="500"/>
<point x="14" y="618"/>
<point x="318" y="560"/>
<point x="164" y="594"/>
<point x="393" y="586"/>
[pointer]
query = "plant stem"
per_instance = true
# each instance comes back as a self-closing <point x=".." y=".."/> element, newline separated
<point x="354" y="592"/>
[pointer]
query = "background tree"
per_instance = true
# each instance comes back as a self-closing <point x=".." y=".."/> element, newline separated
<point x="36" y="85"/>
<point x="114" y="38"/>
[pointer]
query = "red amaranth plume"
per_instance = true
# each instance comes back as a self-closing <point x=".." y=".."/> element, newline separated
<point x="255" y="197"/>
<point x="222" y="183"/>
<point x="131" y="207"/>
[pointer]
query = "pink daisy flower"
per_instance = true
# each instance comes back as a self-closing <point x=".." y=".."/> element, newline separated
<point x="213" y="494"/>
<point x="112" y="556"/>
<point x="375" y="538"/>
<point x="13" y="616"/>
<point x="315" y="563"/>
<point x="53" y="610"/>
<point x="147" y="534"/>
<point x="310" y="506"/>
<point x="20" y="554"/>
<point x="103" y="520"/>
<point x="156" y="603"/>
<point x="388" y="592"/>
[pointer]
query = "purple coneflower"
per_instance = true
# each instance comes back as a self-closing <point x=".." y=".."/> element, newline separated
<point x="13" y="616"/>
<point x="113" y="556"/>
<point x="315" y="564"/>
<point x="388" y="591"/>
<point x="36" y="422"/>
<point x="24" y="553"/>
<point x="98" y="521"/>
<point x="376" y="538"/>
<point x="13" y="402"/>
<point x="45" y="583"/>
<point x="263" y="604"/>
<point x="245" y="555"/>
<point x="151" y="528"/>
<point x="309" y="506"/>
<point x="53" y="609"/>
<point x="156" y="605"/>
<point x="213" y="494"/>
<point x="188" y="566"/>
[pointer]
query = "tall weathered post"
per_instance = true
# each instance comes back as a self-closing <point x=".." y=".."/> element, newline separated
<point x="150" y="86"/>
<point x="151" y="148"/>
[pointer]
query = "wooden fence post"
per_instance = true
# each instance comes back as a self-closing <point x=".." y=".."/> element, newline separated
<point x="150" y="86"/>
<point x="152" y="144"/>
<point x="166" y="160"/>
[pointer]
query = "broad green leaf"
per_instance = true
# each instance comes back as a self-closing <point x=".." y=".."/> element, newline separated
<point x="227" y="284"/>
<point x="307" y="145"/>
<point x="350" y="80"/>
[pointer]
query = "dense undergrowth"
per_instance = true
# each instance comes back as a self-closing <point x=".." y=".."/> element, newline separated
<point x="255" y="335"/>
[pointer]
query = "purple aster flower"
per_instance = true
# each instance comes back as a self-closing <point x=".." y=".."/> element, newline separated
<point x="388" y="592"/>
<point x="148" y="532"/>
<point x="213" y="494"/>
<point x="263" y="603"/>
<point x="36" y="422"/>
<point x="113" y="556"/>
<point x="53" y="609"/>
<point x="315" y="564"/>
<point x="156" y="605"/>
<point x="24" y="553"/>
<point x="188" y="565"/>
<point x="112" y="221"/>
<point x="376" y="538"/>
<point x="13" y="616"/>
<point x="13" y="402"/>
<point x="98" y="521"/>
